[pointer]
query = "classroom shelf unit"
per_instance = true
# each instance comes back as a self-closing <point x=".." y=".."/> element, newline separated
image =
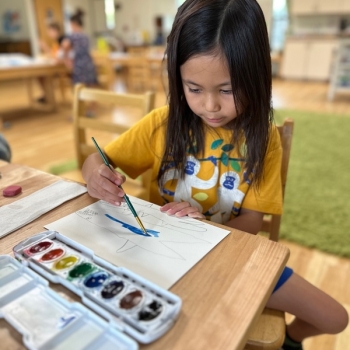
<point x="340" y="80"/>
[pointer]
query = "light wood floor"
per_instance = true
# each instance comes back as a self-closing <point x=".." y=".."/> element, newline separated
<point x="308" y="96"/>
<point x="40" y="140"/>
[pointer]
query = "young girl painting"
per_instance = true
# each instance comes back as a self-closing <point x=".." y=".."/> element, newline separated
<point x="214" y="150"/>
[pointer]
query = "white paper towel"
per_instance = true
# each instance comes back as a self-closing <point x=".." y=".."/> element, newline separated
<point x="27" y="209"/>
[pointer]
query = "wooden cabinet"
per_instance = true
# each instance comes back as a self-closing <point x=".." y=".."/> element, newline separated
<point x="346" y="6"/>
<point x="294" y="60"/>
<point x="303" y="7"/>
<point x="308" y="59"/>
<point x="329" y="6"/>
<point x="319" y="60"/>
<point x="16" y="47"/>
<point x="340" y="81"/>
<point x="320" y="7"/>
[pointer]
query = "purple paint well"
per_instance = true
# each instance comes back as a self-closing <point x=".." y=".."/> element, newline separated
<point x="112" y="289"/>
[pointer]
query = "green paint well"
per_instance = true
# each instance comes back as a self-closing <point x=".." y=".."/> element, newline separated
<point x="81" y="270"/>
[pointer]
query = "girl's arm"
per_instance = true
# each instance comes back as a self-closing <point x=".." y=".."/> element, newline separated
<point x="248" y="221"/>
<point x="44" y="47"/>
<point x="66" y="47"/>
<point x="102" y="183"/>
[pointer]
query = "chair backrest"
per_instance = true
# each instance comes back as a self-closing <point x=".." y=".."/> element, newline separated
<point x="84" y="96"/>
<point x="138" y="73"/>
<point x="272" y="223"/>
<point x="137" y="50"/>
<point x="104" y="69"/>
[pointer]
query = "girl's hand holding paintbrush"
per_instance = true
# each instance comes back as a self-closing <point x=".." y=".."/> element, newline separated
<point x="115" y="181"/>
<point x="102" y="183"/>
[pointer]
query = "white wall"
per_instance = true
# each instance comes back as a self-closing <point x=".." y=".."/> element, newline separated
<point x="28" y="30"/>
<point x="15" y="5"/>
<point x="267" y="7"/>
<point x="32" y="28"/>
<point x="99" y="15"/>
<point x="134" y="16"/>
<point x="69" y="8"/>
<point x="137" y="15"/>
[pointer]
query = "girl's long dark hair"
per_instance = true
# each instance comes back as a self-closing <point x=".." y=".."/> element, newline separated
<point x="237" y="30"/>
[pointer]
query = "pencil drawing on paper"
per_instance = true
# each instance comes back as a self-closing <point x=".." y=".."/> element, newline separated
<point x="173" y="247"/>
<point x="178" y="231"/>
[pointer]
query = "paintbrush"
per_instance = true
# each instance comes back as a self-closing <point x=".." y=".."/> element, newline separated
<point x="126" y="198"/>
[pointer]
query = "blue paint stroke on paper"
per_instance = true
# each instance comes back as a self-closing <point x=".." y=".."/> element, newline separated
<point x="134" y="229"/>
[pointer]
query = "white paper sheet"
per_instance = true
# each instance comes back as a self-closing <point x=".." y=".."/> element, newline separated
<point x="27" y="209"/>
<point x="107" y="230"/>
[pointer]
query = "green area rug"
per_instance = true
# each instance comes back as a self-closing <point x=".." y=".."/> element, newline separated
<point x="317" y="198"/>
<point x="63" y="167"/>
<point x="70" y="165"/>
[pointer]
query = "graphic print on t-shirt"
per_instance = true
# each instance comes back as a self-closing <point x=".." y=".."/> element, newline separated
<point x="210" y="183"/>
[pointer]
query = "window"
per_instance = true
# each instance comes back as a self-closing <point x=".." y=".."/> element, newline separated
<point x="179" y="2"/>
<point x="279" y="24"/>
<point x="110" y="14"/>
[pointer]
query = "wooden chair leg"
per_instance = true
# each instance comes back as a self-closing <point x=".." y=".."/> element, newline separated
<point x="61" y="79"/>
<point x="29" y="82"/>
<point x="269" y="332"/>
<point x="50" y="93"/>
<point x="275" y="227"/>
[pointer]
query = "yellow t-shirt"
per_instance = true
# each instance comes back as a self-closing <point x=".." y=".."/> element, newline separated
<point x="213" y="182"/>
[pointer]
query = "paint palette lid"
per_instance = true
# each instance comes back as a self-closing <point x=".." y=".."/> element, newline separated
<point x="48" y="321"/>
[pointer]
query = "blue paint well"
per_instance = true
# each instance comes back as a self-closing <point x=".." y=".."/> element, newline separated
<point x="134" y="229"/>
<point x="96" y="279"/>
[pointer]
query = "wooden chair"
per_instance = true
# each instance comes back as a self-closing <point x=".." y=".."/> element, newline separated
<point x="269" y="331"/>
<point x="157" y="67"/>
<point x="271" y="223"/>
<point x="139" y="51"/>
<point x="138" y="73"/>
<point x="104" y="69"/>
<point x="82" y="95"/>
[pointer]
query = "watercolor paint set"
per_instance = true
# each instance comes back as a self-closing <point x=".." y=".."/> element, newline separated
<point x="46" y="320"/>
<point x="134" y="305"/>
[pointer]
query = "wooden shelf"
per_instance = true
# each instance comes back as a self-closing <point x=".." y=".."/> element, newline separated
<point x="341" y="70"/>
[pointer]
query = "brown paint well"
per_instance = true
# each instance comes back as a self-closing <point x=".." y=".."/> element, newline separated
<point x="131" y="300"/>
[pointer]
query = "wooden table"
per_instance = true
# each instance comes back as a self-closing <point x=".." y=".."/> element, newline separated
<point x="143" y="72"/>
<point x="223" y="295"/>
<point x="124" y="58"/>
<point x="22" y="67"/>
